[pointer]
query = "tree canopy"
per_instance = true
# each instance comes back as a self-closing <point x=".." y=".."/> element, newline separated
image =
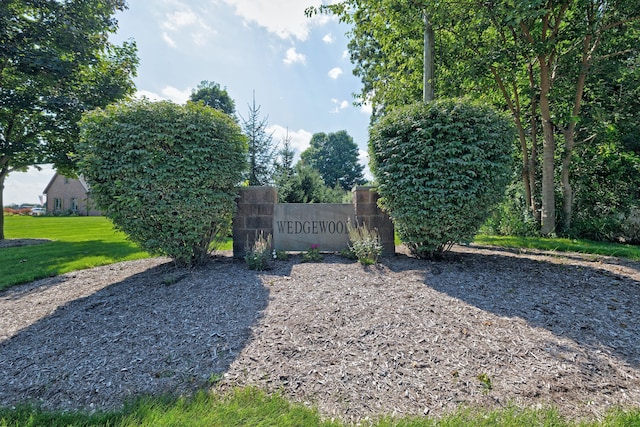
<point x="55" y="63"/>
<point x="540" y="61"/>
<point x="212" y="95"/>
<point x="335" y="157"/>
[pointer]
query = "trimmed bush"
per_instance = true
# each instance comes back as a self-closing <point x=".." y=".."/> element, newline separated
<point x="440" y="168"/>
<point x="165" y="174"/>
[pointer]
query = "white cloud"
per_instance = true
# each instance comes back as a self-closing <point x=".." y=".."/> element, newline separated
<point x="338" y="105"/>
<point x="285" y="18"/>
<point x="292" y="57"/>
<point x="176" y="95"/>
<point x="168" y="40"/>
<point x="328" y="38"/>
<point x="151" y="96"/>
<point x="168" y="93"/>
<point x="177" y="20"/>
<point x="185" y="20"/>
<point x="366" y="106"/>
<point x="345" y="54"/>
<point x="334" y="73"/>
<point x="299" y="139"/>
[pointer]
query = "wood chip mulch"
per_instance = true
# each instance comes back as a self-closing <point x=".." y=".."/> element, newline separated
<point x="485" y="327"/>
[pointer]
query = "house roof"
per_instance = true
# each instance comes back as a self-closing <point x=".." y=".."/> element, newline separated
<point x="81" y="179"/>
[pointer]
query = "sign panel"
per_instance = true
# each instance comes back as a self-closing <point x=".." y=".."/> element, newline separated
<point x="297" y="226"/>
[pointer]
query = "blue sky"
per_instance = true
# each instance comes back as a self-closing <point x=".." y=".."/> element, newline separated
<point x="298" y="67"/>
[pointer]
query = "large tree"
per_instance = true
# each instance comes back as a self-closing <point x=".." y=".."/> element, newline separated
<point x="531" y="57"/>
<point x="335" y="156"/>
<point x="212" y="95"/>
<point x="55" y="63"/>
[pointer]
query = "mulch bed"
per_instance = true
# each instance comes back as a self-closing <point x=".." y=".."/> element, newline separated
<point x="485" y="326"/>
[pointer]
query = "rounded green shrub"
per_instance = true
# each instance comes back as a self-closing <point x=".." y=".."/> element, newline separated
<point x="440" y="168"/>
<point x="165" y="174"/>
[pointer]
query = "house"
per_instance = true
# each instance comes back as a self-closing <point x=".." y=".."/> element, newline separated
<point x="69" y="195"/>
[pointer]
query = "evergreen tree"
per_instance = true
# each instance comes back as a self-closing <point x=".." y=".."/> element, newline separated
<point x="262" y="151"/>
<point x="284" y="169"/>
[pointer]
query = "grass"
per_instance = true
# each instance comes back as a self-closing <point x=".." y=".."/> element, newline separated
<point x="557" y="244"/>
<point x="77" y="243"/>
<point x="562" y="245"/>
<point x="251" y="407"/>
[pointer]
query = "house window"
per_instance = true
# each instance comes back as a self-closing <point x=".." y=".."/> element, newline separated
<point x="57" y="204"/>
<point x="74" y="204"/>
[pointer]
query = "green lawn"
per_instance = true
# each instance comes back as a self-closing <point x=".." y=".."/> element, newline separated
<point x="77" y="243"/>
<point x="250" y="407"/>
<point x="562" y="245"/>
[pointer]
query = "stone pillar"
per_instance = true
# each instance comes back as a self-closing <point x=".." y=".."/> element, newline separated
<point x="254" y="215"/>
<point x="365" y="200"/>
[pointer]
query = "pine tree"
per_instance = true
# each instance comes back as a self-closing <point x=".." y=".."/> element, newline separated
<point x="284" y="169"/>
<point x="262" y="151"/>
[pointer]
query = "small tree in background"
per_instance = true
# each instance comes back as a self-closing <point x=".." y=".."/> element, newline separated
<point x="165" y="174"/>
<point x="284" y="169"/>
<point x="335" y="156"/>
<point x="212" y="95"/>
<point x="262" y="151"/>
<point x="440" y="169"/>
<point x="306" y="186"/>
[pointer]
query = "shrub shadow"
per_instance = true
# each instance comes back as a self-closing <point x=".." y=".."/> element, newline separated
<point x="587" y="300"/>
<point x="49" y="259"/>
<point x="164" y="330"/>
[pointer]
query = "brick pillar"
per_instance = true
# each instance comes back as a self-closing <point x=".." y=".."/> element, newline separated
<point x="254" y="215"/>
<point x="365" y="200"/>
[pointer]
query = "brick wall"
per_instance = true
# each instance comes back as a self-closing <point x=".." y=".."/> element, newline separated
<point x="254" y="215"/>
<point x="365" y="201"/>
<point x="256" y="205"/>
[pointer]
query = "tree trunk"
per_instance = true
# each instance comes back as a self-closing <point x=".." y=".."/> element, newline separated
<point x="527" y="162"/>
<point x="533" y="158"/>
<point x="567" y="190"/>
<point x="429" y="61"/>
<point x="533" y="164"/>
<point x="4" y="171"/>
<point x="548" y="214"/>
<point x="570" y="131"/>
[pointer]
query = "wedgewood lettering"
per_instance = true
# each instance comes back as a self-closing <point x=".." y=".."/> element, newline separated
<point x="312" y="227"/>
